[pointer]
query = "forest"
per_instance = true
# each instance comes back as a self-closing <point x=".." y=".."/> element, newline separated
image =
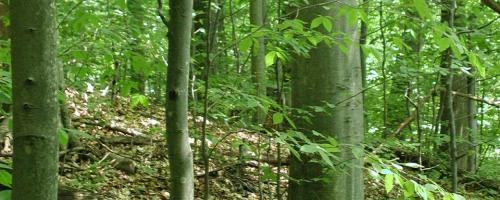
<point x="249" y="99"/>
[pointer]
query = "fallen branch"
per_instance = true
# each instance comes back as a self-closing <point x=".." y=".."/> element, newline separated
<point x="139" y="140"/>
<point x="250" y="163"/>
<point x="126" y="131"/>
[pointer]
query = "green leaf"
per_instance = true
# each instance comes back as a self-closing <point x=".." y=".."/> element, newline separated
<point x="270" y="58"/>
<point x="316" y="22"/>
<point x="245" y="44"/>
<point x="474" y="59"/>
<point x="314" y="40"/>
<point x="5" y="195"/>
<point x="327" y="24"/>
<point x="4" y="166"/>
<point x="443" y="43"/>
<point x="456" y="47"/>
<point x="421" y="191"/>
<point x="400" y="43"/>
<point x="268" y="173"/>
<point x="139" y="99"/>
<point x="290" y="121"/>
<point x="431" y="187"/>
<point x="61" y="97"/>
<point x="10" y="124"/>
<point x="278" y="118"/>
<point x="295" y="153"/>
<point x="409" y="189"/>
<point x="5" y="178"/>
<point x="63" y="137"/>
<point x="389" y="182"/>
<point x="309" y="148"/>
<point x="326" y="158"/>
<point x="458" y="197"/>
<point x="423" y="10"/>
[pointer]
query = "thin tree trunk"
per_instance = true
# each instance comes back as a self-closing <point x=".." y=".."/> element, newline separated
<point x="236" y="51"/>
<point x="362" y="42"/>
<point x="179" y="150"/>
<point x="136" y="20"/>
<point x="36" y="109"/>
<point x="449" y="16"/>
<point x="472" y="150"/>
<point x="384" y="73"/>
<point x="258" y="54"/>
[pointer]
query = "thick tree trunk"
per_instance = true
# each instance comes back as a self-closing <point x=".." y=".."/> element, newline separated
<point x="36" y="109"/>
<point x="332" y="76"/>
<point x="179" y="150"/>
<point x="463" y="107"/>
<point x="258" y="56"/>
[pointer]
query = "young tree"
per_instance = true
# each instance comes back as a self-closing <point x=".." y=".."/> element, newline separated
<point x="333" y="76"/>
<point x="136" y="24"/>
<point x="35" y="109"/>
<point x="179" y="150"/>
<point x="258" y="54"/>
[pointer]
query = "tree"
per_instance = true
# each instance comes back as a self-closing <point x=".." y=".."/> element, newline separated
<point x="258" y="54"/>
<point x="179" y="150"/>
<point x="136" y="24"/>
<point x="35" y="108"/>
<point x="333" y="76"/>
<point x="464" y="109"/>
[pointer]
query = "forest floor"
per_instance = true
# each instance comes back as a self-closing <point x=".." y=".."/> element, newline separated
<point x="123" y="155"/>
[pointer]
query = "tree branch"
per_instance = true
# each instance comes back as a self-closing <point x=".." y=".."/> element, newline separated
<point x="491" y="103"/>
<point x="160" y="13"/>
<point x="492" y="4"/>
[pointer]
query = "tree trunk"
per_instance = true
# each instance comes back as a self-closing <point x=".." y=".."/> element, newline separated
<point x="36" y="109"/>
<point x="329" y="75"/>
<point x="463" y="107"/>
<point x="179" y="150"/>
<point x="449" y="123"/>
<point x="136" y="26"/>
<point x="258" y="54"/>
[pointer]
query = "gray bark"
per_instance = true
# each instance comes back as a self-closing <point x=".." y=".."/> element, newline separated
<point x="330" y="75"/>
<point x="258" y="56"/>
<point x="35" y="108"/>
<point x="179" y="150"/>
